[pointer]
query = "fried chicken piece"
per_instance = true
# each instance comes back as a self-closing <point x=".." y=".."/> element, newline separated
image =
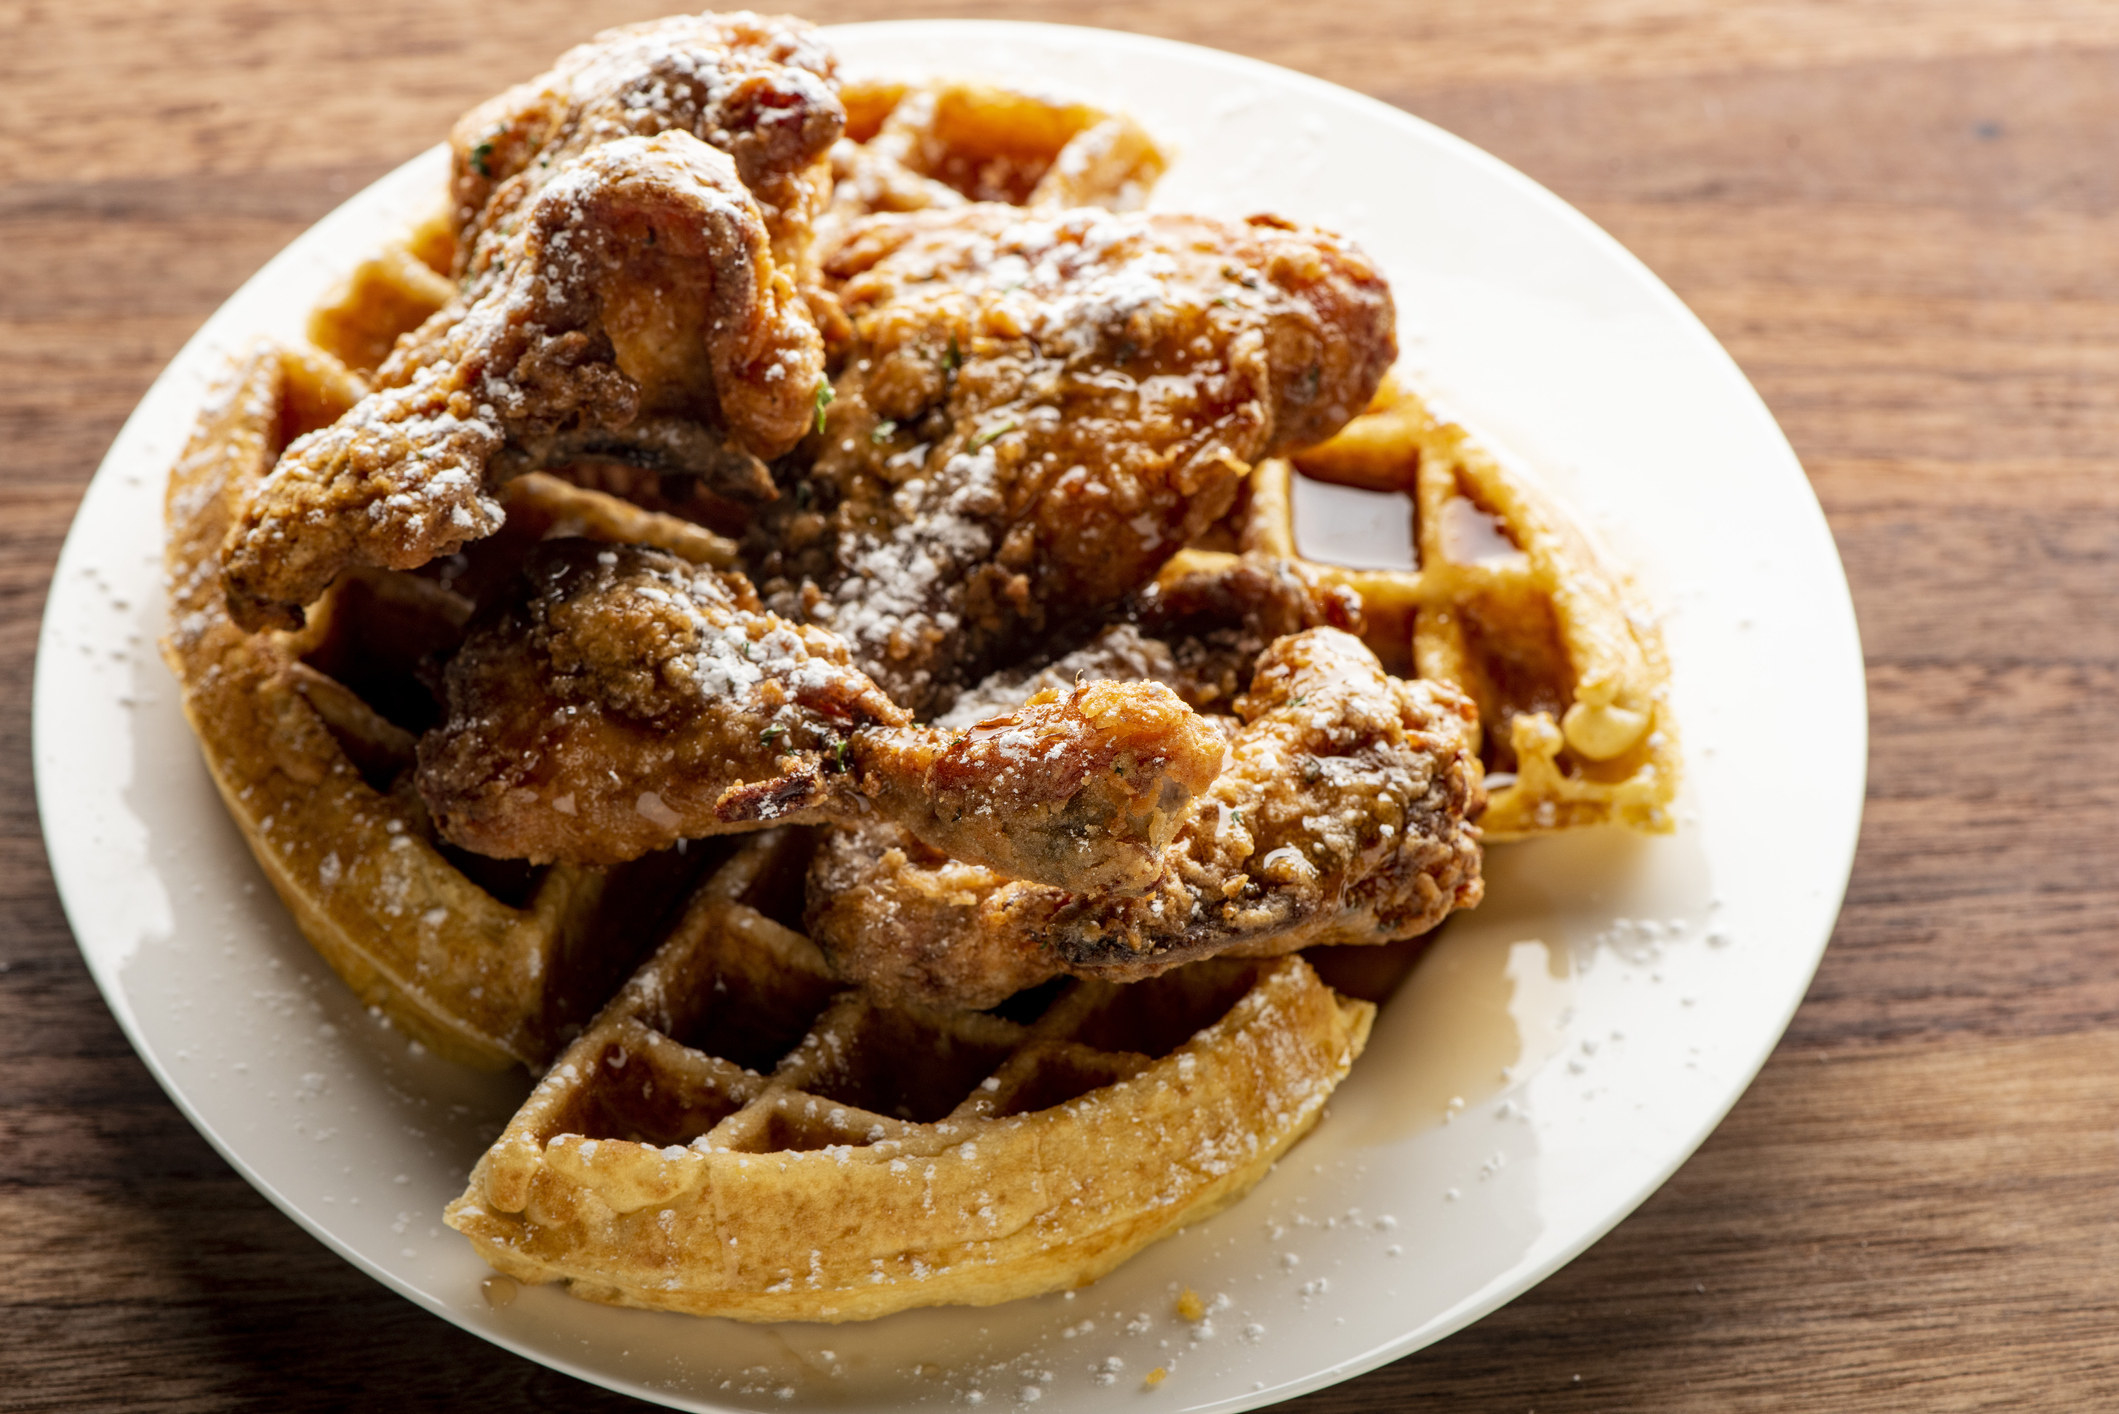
<point x="760" y="88"/>
<point x="638" y="306"/>
<point x="635" y="699"/>
<point x="1342" y="816"/>
<point x="1081" y="788"/>
<point x="1036" y="410"/>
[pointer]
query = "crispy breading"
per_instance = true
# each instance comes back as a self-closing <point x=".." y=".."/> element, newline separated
<point x="1343" y="815"/>
<point x="638" y="309"/>
<point x="634" y="699"/>
<point x="760" y="88"/>
<point x="1036" y="410"/>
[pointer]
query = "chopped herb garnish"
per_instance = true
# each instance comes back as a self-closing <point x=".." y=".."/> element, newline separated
<point x="479" y="154"/>
<point x="838" y="753"/>
<point x="1118" y="768"/>
<point x="770" y="732"/>
<point x="954" y="359"/>
<point x="882" y="431"/>
<point x="1296" y="700"/>
<point x="824" y="397"/>
<point x="992" y="434"/>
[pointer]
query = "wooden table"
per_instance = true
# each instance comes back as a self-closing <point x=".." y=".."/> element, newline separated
<point x="1903" y="220"/>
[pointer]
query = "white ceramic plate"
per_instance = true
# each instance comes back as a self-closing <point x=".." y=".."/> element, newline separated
<point x="1550" y="1063"/>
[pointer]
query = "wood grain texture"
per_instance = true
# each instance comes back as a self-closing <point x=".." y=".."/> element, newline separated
<point x="1900" y="216"/>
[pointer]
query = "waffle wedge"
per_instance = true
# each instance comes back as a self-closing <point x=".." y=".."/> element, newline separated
<point x="952" y="140"/>
<point x="736" y="1136"/>
<point x="1508" y="601"/>
<point x="387" y="295"/>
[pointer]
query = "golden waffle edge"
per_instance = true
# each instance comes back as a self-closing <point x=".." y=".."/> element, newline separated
<point x="1509" y="601"/>
<point x="813" y="1156"/>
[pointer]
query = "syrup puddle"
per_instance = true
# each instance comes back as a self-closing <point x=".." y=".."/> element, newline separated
<point x="1482" y="1008"/>
<point x="1344" y="525"/>
<point x="1470" y="536"/>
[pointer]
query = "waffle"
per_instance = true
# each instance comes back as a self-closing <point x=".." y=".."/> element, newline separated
<point x="387" y="295"/>
<point x="1508" y="601"/>
<point x="731" y="1131"/>
<point x="914" y="145"/>
<point x="735" y="1136"/>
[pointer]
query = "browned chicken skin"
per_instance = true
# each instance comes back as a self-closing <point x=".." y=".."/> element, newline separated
<point x="1342" y="816"/>
<point x="637" y="302"/>
<point x="635" y="699"/>
<point x="1037" y="409"/>
<point x="760" y="88"/>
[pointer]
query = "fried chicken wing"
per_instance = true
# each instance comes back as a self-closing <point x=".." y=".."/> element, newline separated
<point x="638" y="306"/>
<point x="1036" y="410"/>
<point x="635" y="699"/>
<point x="759" y="88"/>
<point x="1342" y="816"/>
